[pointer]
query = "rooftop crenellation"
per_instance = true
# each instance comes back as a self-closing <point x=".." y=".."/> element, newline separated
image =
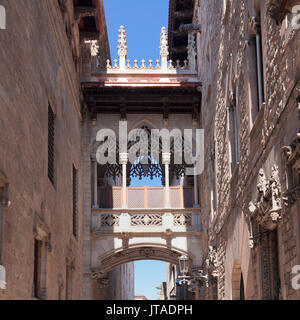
<point x="163" y="65"/>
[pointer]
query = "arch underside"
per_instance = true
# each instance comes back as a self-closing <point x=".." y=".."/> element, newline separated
<point x="141" y="252"/>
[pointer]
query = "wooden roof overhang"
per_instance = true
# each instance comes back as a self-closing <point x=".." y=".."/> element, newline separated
<point x="180" y="12"/>
<point x="92" y="23"/>
<point x="180" y="99"/>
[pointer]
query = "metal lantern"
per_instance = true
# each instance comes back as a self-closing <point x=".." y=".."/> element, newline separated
<point x="184" y="264"/>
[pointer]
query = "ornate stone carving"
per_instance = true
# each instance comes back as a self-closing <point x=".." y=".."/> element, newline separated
<point x="262" y="184"/>
<point x="150" y="170"/>
<point x="166" y="66"/>
<point x="103" y="283"/>
<point x="276" y="193"/>
<point x="192" y="51"/>
<point x="164" y="49"/>
<point x="110" y="220"/>
<point x="266" y="210"/>
<point x="122" y="43"/>
<point x="212" y="262"/>
<point x="97" y="274"/>
<point x="125" y="239"/>
<point x="182" y="219"/>
<point x="147" y="252"/>
<point x="146" y="220"/>
<point x="94" y="48"/>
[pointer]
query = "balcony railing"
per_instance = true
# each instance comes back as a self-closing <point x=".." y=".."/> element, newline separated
<point x="181" y="197"/>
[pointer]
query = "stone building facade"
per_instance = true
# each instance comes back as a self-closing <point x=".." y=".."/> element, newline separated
<point x="249" y="65"/>
<point x="40" y="163"/>
<point x="54" y="97"/>
<point x="41" y="167"/>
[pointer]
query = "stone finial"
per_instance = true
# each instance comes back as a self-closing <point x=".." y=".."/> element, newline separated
<point x="192" y="52"/>
<point x="171" y="67"/>
<point x="122" y="42"/>
<point x="164" y="49"/>
<point x="108" y="66"/>
<point x="136" y="66"/>
<point x="122" y="47"/>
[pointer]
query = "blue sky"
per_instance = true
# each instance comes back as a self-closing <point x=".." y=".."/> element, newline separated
<point x="149" y="274"/>
<point x="143" y="21"/>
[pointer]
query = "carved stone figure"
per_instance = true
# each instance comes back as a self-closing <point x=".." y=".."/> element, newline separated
<point x="266" y="211"/>
<point x="262" y="184"/>
<point x="276" y="193"/>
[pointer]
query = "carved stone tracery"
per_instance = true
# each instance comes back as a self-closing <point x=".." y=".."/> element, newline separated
<point x="183" y="219"/>
<point x="146" y="220"/>
<point x="110" y="220"/>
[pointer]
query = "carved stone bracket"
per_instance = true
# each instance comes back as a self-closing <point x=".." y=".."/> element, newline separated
<point x="103" y="283"/>
<point x="266" y="210"/>
<point x="97" y="274"/>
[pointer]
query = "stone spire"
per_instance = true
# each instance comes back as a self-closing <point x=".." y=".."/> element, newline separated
<point x="122" y="47"/>
<point x="192" y="52"/>
<point x="164" y="49"/>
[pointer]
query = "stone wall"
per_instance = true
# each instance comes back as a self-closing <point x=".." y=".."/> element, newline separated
<point x="226" y="58"/>
<point x="37" y="68"/>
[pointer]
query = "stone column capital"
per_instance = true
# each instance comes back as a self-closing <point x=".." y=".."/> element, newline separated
<point x="124" y="158"/>
<point x="166" y="158"/>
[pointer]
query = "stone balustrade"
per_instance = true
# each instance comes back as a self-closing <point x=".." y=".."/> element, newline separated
<point x="148" y="220"/>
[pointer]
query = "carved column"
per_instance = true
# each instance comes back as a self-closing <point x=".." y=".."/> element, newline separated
<point x="124" y="161"/>
<point x="95" y="184"/>
<point x="166" y="158"/>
